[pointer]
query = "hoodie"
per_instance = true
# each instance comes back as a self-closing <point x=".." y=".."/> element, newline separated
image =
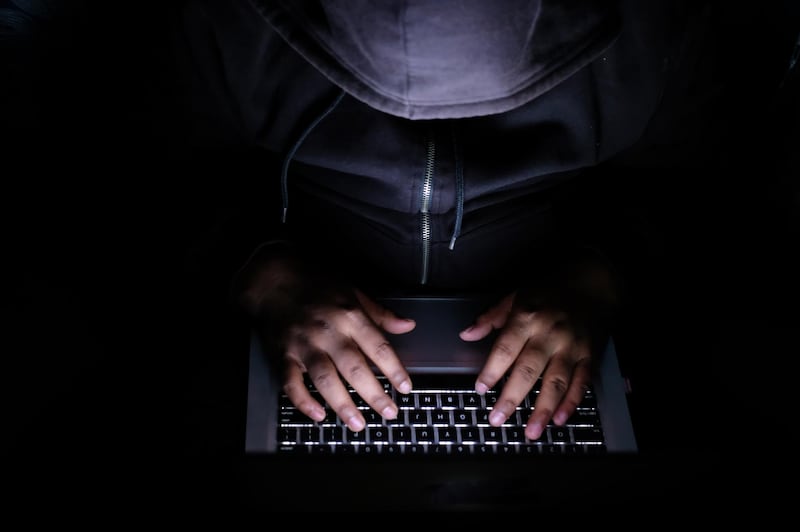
<point x="430" y="144"/>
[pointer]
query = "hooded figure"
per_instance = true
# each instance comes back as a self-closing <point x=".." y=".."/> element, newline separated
<point x="426" y="144"/>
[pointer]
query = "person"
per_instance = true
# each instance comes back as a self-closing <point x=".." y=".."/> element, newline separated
<point x="404" y="146"/>
<point x="449" y="147"/>
<point x="434" y="147"/>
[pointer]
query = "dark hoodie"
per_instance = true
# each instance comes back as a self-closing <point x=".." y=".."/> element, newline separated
<point x="427" y="143"/>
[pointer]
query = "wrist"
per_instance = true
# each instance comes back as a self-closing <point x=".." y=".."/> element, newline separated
<point x="271" y="277"/>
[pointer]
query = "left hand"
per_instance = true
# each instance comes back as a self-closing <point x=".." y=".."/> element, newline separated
<point x="548" y="333"/>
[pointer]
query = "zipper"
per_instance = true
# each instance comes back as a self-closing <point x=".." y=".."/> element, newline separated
<point x="425" y="207"/>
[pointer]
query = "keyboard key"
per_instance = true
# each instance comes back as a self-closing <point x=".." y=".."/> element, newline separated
<point x="533" y="449"/>
<point x="440" y="418"/>
<point x="406" y="401"/>
<point x="461" y="450"/>
<point x="367" y="449"/>
<point x="321" y="449"/>
<point x="470" y="434"/>
<point x="446" y="435"/>
<point x="506" y="449"/>
<point x="515" y="435"/>
<point x="344" y="448"/>
<point x="462" y="418"/>
<point x="492" y="435"/>
<point x="439" y="449"/>
<point x="400" y="434"/>
<point x="372" y="417"/>
<point x="333" y="434"/>
<point x="588" y="435"/>
<point x="378" y="434"/>
<point x="584" y="418"/>
<point x="472" y="401"/>
<point x="555" y="450"/>
<point x="574" y="449"/>
<point x="559" y="435"/>
<point x="424" y="434"/>
<point x="418" y="418"/>
<point x="309" y="434"/>
<point x="414" y="449"/>
<point x="355" y="437"/>
<point x="427" y="400"/>
<point x="483" y="449"/>
<point x="391" y="449"/>
<point x="287" y="435"/>
<point x="450" y="400"/>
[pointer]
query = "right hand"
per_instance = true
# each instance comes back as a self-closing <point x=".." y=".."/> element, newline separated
<point x="326" y="329"/>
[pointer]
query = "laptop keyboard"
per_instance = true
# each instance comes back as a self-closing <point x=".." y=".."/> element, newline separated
<point x="442" y="419"/>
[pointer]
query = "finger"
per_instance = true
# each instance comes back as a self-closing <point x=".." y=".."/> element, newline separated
<point x="383" y="317"/>
<point x="581" y="377"/>
<point x="374" y="345"/>
<point x="355" y="370"/>
<point x="528" y="367"/>
<point x="326" y="379"/>
<point x="494" y="318"/>
<point x="556" y="380"/>
<point x="295" y="388"/>
<point x="520" y="328"/>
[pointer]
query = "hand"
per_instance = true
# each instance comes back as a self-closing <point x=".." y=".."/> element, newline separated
<point x="547" y="330"/>
<point x="325" y="329"/>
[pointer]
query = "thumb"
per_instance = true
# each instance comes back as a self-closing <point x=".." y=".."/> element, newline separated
<point x="383" y="317"/>
<point x="494" y="318"/>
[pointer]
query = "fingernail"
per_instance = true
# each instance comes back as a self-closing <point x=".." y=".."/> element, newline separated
<point x="496" y="418"/>
<point x="481" y="388"/>
<point x="389" y="412"/>
<point x="355" y="423"/>
<point x="404" y="387"/>
<point x="534" y="431"/>
<point x="560" y="418"/>
<point x="317" y="413"/>
<point x="469" y="329"/>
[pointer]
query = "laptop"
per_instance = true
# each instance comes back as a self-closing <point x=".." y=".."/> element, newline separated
<point x="443" y="416"/>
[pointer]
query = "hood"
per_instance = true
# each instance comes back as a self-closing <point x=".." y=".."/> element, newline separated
<point x="425" y="59"/>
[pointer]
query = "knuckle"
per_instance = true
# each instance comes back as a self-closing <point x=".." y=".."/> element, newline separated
<point x="383" y="350"/>
<point x="557" y="383"/>
<point x="325" y="380"/>
<point x="355" y="317"/>
<point x="521" y="322"/>
<point x="504" y="351"/>
<point x="355" y="372"/>
<point x="528" y="372"/>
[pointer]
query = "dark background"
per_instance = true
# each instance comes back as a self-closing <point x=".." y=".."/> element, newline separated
<point x="120" y="349"/>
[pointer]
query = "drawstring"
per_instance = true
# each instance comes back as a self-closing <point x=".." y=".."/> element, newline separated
<point x="290" y="155"/>
<point x="459" y="191"/>
<point x="295" y="147"/>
